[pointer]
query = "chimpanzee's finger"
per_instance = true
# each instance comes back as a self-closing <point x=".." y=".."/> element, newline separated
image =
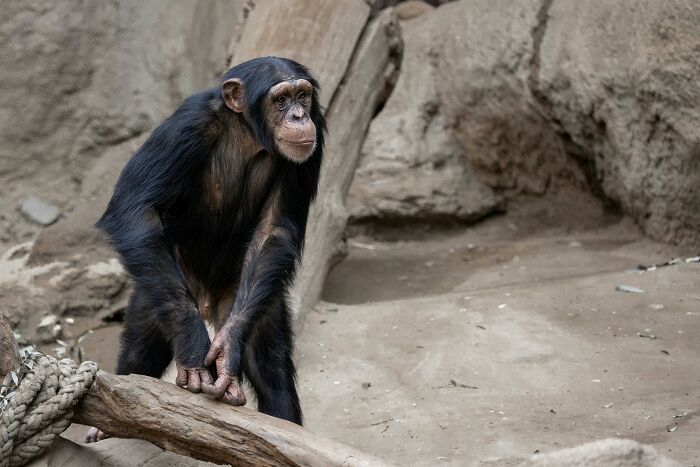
<point x="181" y="379"/>
<point x="212" y="354"/>
<point x="91" y="435"/>
<point x="194" y="384"/>
<point x="234" y="394"/>
<point x="206" y="377"/>
<point x="94" y="435"/>
<point x="219" y="387"/>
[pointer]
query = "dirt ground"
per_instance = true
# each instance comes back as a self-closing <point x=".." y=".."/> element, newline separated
<point x="483" y="345"/>
<point x="508" y="339"/>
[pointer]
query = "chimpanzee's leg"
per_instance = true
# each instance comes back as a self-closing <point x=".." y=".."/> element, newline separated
<point x="143" y="349"/>
<point x="269" y="367"/>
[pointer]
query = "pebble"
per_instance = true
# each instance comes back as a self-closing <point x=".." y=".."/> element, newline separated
<point x="48" y="320"/>
<point x="629" y="289"/>
<point x="39" y="211"/>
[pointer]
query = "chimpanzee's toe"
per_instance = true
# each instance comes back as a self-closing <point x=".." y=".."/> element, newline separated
<point x="94" y="435"/>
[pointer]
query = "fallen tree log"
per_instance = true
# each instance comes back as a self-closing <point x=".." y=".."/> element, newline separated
<point x="367" y="83"/>
<point x="197" y="426"/>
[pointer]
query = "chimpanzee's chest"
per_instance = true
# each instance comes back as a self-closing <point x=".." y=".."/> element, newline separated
<point x="215" y="217"/>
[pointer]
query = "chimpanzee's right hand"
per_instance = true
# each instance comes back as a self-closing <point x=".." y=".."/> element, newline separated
<point x="190" y="351"/>
<point x="192" y="378"/>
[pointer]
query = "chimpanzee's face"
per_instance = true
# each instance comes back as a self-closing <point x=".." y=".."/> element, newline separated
<point x="287" y="108"/>
<point x="286" y="115"/>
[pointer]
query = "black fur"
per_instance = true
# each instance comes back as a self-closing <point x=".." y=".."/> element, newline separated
<point x="170" y="235"/>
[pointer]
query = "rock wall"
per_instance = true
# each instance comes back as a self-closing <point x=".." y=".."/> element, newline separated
<point x="619" y="82"/>
<point x="78" y="77"/>
<point x="69" y="271"/>
<point x="81" y="85"/>
<point x="498" y="98"/>
<point x="493" y="99"/>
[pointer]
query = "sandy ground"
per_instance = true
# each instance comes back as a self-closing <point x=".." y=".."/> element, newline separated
<point x="516" y="342"/>
<point x="481" y="346"/>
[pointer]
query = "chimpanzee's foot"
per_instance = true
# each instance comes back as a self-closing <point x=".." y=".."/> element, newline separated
<point x="94" y="435"/>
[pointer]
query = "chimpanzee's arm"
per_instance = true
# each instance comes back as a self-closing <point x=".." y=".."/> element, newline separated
<point x="268" y="269"/>
<point x="153" y="177"/>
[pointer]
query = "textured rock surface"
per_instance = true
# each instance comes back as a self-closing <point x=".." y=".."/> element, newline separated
<point x="86" y="82"/>
<point x="76" y="237"/>
<point x="620" y="81"/>
<point x="611" y="452"/>
<point x="322" y="36"/>
<point x="412" y="9"/>
<point x="72" y="247"/>
<point x="111" y="453"/>
<point x="77" y="78"/>
<point x="601" y="95"/>
<point x="370" y="75"/>
<point x="461" y="97"/>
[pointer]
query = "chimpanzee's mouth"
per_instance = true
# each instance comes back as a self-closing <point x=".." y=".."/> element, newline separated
<point x="305" y="142"/>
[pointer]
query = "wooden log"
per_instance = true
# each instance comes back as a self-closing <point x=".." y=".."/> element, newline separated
<point x="369" y="79"/>
<point x="198" y="426"/>
<point x="321" y="34"/>
<point x="356" y="64"/>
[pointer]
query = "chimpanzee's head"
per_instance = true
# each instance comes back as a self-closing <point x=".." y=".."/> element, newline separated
<point x="279" y="99"/>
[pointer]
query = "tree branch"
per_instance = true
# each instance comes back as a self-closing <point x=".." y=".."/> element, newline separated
<point x="197" y="426"/>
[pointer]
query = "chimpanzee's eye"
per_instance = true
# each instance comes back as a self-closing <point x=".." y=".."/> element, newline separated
<point x="301" y="96"/>
<point x="281" y="101"/>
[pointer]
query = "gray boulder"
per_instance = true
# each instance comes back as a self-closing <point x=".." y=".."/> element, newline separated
<point x="77" y="78"/>
<point x="458" y="132"/>
<point x="619" y="81"/>
<point x="609" y="452"/>
<point x="499" y="98"/>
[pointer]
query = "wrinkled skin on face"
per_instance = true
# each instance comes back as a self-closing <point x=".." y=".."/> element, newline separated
<point x="287" y="108"/>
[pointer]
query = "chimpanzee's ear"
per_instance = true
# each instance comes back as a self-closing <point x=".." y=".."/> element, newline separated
<point x="233" y="92"/>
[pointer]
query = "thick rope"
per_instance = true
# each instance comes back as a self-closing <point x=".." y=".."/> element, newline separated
<point x="42" y="407"/>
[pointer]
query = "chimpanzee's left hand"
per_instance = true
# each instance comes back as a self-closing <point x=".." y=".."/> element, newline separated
<point x="227" y="358"/>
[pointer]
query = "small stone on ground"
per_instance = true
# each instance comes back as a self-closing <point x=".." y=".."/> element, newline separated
<point x="39" y="211"/>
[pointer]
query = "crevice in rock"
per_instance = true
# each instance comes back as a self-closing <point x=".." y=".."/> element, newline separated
<point x="393" y="32"/>
<point x="538" y="33"/>
<point x="583" y="157"/>
<point x="351" y="59"/>
<point x="396" y="59"/>
<point x="379" y="5"/>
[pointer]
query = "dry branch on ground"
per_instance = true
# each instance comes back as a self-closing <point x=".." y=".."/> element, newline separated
<point x="197" y="426"/>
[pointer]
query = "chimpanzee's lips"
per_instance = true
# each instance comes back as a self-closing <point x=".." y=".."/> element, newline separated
<point x="303" y="142"/>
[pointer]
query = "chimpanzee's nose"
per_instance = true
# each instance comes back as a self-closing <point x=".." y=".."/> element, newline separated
<point x="298" y="113"/>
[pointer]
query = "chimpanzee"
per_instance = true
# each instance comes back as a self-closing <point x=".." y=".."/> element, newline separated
<point x="209" y="218"/>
